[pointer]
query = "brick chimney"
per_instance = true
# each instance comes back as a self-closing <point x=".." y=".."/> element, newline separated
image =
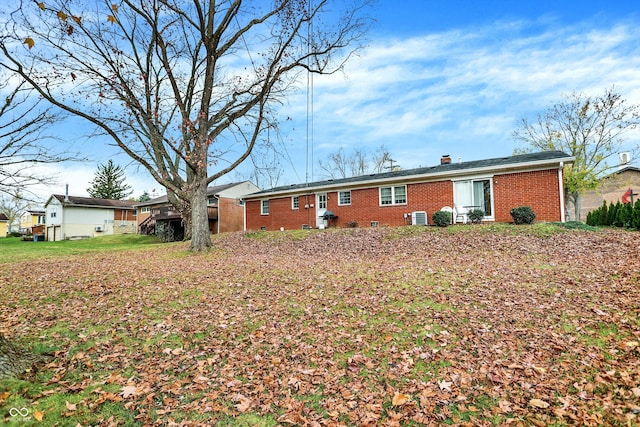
<point x="445" y="159"/>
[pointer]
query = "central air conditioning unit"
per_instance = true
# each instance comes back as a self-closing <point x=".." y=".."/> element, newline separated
<point x="419" y="218"/>
<point x="625" y="158"/>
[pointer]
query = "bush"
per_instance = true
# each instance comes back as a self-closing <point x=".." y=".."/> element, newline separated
<point x="523" y="215"/>
<point x="475" y="215"/>
<point x="441" y="218"/>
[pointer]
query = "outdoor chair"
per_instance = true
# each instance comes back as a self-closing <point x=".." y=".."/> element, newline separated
<point x="461" y="214"/>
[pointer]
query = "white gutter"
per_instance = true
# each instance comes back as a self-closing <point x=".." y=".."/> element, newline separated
<point x="561" y="188"/>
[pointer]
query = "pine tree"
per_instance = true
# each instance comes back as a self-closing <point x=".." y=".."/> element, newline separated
<point x="108" y="183"/>
<point x="635" y="217"/>
<point x="604" y="213"/>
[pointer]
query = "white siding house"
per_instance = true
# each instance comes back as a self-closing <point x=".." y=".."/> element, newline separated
<point x="69" y="217"/>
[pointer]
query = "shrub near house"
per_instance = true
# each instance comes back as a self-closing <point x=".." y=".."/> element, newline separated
<point x="494" y="186"/>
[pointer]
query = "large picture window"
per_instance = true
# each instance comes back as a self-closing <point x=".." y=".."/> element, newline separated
<point x="475" y="194"/>
<point x="393" y="195"/>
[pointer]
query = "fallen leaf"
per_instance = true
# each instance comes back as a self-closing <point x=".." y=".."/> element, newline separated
<point x="505" y="406"/>
<point x="244" y="405"/>
<point x="445" y="385"/>
<point x="399" y="399"/>
<point x="128" y="391"/>
<point x="539" y="369"/>
<point x="38" y="415"/>
<point x="71" y="406"/>
<point x="537" y="403"/>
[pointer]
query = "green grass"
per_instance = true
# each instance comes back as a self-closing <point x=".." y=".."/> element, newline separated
<point x="12" y="249"/>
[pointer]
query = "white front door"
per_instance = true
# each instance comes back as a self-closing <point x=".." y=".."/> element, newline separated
<point x="321" y="208"/>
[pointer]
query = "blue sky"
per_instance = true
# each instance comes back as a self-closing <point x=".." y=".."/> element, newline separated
<point x="441" y="77"/>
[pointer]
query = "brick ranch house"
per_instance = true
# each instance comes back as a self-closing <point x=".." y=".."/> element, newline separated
<point x="389" y="199"/>
<point x="225" y="211"/>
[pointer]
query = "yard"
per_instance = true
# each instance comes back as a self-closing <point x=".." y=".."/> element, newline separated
<point x="468" y="325"/>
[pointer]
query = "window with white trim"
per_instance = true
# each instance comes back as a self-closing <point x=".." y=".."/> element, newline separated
<point x="396" y="195"/>
<point x="295" y="202"/>
<point x="264" y="207"/>
<point x="145" y="209"/>
<point x="475" y="194"/>
<point x="344" y="198"/>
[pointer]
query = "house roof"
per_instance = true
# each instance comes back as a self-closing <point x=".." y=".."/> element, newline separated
<point x="91" y="202"/>
<point x="211" y="191"/>
<point x="502" y="164"/>
<point x="3" y="217"/>
<point x="622" y="170"/>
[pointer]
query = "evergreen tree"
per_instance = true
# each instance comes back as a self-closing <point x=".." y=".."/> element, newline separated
<point x="145" y="197"/>
<point x="635" y="217"/>
<point x="604" y="213"/>
<point x="108" y="183"/>
<point x="612" y="214"/>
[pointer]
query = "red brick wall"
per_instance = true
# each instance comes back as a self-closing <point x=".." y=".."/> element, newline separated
<point x="365" y="207"/>
<point x="540" y="190"/>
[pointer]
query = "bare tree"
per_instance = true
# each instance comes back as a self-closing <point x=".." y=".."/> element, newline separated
<point x="342" y="165"/>
<point x="591" y="128"/>
<point x="13" y="206"/>
<point x="24" y="125"/>
<point x="186" y="88"/>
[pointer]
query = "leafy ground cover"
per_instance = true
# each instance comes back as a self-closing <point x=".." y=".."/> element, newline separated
<point x="468" y="325"/>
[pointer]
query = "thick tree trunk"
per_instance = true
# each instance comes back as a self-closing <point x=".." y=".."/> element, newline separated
<point x="200" y="233"/>
<point x="15" y="362"/>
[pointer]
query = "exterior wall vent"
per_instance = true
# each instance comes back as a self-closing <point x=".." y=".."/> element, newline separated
<point x="419" y="218"/>
<point x="99" y="228"/>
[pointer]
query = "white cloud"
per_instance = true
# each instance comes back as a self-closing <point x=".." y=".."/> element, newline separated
<point x="463" y="91"/>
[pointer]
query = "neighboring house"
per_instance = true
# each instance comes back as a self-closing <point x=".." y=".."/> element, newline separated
<point x="4" y="225"/>
<point x="412" y="196"/>
<point x="32" y="222"/>
<point x="612" y="188"/>
<point x="225" y="207"/>
<point x="69" y="217"/>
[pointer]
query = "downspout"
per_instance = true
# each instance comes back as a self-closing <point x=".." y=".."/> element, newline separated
<point x="219" y="213"/>
<point x="561" y="188"/>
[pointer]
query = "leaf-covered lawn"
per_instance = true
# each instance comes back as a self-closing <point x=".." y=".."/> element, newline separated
<point x="409" y="326"/>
